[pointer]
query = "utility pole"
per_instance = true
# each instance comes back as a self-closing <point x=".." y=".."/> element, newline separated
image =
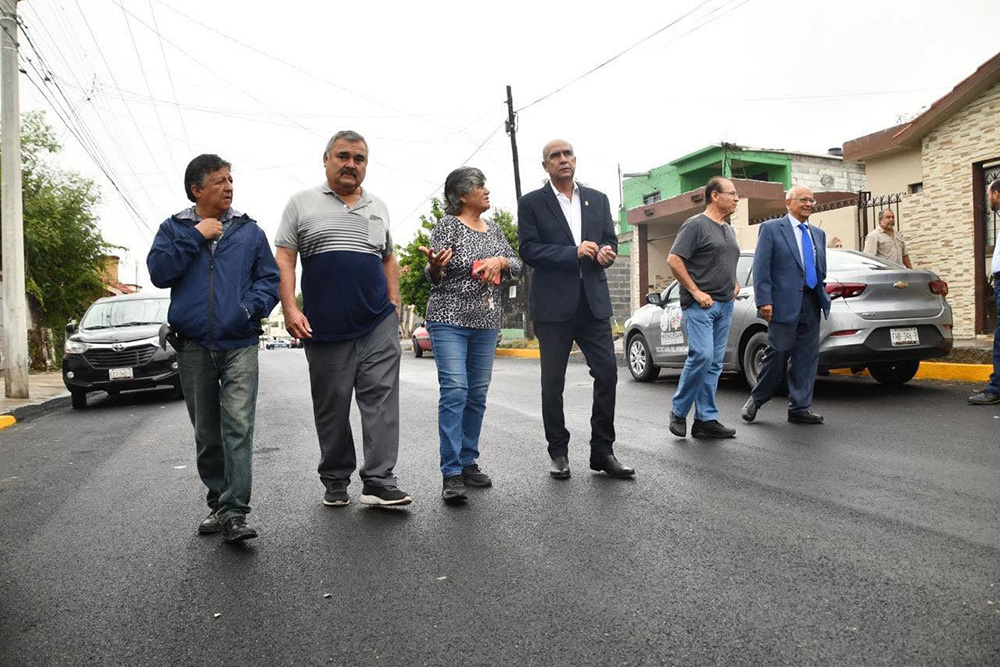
<point x="511" y="125"/>
<point x="15" y="321"/>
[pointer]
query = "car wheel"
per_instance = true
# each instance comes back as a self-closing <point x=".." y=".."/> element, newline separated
<point x="753" y="357"/>
<point x="894" y="373"/>
<point x="417" y="352"/>
<point x="79" y="399"/>
<point x="640" y="362"/>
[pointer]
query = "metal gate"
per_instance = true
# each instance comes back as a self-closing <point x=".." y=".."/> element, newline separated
<point x="869" y="209"/>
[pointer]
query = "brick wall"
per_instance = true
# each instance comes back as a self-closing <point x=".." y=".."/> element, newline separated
<point x="941" y="230"/>
<point x="839" y="176"/>
<point x="619" y="284"/>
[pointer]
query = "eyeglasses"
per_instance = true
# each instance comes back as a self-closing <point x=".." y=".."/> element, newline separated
<point x="805" y="200"/>
<point x="732" y="193"/>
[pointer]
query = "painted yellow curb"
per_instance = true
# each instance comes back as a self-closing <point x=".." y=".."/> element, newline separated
<point x="7" y="420"/>
<point x="939" y="371"/>
<point x="512" y="352"/>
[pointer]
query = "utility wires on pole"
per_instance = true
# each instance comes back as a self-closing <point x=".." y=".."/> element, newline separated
<point x="511" y="125"/>
<point x="15" y="319"/>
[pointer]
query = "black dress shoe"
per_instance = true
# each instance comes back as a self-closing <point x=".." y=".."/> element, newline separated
<point x="805" y="417"/>
<point x="560" y="467"/>
<point x="612" y="467"/>
<point x="749" y="411"/>
<point x="235" y="529"/>
<point x="210" y="524"/>
<point x="711" y="429"/>
<point x="678" y="425"/>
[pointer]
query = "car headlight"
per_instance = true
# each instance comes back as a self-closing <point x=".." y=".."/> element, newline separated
<point x="75" y="347"/>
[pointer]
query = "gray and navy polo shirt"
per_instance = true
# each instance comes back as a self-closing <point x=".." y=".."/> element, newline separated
<point x="344" y="291"/>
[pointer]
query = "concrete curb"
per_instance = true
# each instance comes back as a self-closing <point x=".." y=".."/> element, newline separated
<point x="29" y="412"/>
<point x="515" y="352"/>
<point x="941" y="371"/>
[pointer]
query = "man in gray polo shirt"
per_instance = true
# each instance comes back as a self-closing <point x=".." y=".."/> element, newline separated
<point x="349" y="321"/>
<point x="703" y="259"/>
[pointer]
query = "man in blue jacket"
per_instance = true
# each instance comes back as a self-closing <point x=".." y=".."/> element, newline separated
<point x="223" y="280"/>
<point x="789" y="270"/>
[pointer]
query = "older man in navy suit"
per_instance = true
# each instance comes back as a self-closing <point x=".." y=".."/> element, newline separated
<point x="789" y="269"/>
<point x="566" y="235"/>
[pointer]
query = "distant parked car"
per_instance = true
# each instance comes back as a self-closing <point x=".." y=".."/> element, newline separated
<point x="883" y="317"/>
<point x="277" y="344"/>
<point x="116" y="347"/>
<point x="422" y="341"/>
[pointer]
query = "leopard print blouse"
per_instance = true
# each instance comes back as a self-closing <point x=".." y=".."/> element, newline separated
<point x="459" y="299"/>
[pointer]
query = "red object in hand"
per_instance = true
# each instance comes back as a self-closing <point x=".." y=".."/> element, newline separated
<point x="475" y="268"/>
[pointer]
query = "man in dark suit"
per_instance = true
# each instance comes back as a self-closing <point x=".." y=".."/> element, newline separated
<point x="567" y="236"/>
<point x="789" y="270"/>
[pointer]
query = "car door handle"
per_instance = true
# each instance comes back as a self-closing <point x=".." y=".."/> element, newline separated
<point x="740" y="297"/>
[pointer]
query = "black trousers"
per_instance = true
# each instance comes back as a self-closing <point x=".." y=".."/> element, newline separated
<point x="555" y="339"/>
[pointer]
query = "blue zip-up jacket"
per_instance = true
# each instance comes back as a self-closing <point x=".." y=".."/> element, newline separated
<point x="215" y="300"/>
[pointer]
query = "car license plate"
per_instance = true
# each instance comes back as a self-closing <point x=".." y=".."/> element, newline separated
<point x="126" y="373"/>
<point x="904" y="336"/>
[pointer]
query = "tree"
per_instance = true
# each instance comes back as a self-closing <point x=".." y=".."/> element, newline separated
<point x="63" y="247"/>
<point x="413" y="286"/>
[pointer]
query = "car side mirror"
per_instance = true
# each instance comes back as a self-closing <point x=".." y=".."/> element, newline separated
<point x="71" y="327"/>
<point x="654" y="298"/>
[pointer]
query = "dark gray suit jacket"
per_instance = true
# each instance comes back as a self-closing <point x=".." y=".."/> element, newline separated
<point x="547" y="245"/>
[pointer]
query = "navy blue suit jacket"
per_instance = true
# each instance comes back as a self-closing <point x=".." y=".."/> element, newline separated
<point x="546" y="244"/>
<point x="778" y="273"/>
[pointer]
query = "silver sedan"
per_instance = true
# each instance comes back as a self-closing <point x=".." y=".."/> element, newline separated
<point x="883" y="317"/>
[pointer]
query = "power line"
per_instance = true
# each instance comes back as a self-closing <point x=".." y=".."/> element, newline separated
<point x="125" y="159"/>
<point x="435" y="190"/>
<point x="170" y="78"/>
<point x="617" y="56"/>
<point x="215" y="31"/>
<point x="142" y="137"/>
<point x="156" y="109"/>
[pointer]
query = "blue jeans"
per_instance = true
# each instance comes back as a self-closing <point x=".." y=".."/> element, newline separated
<point x="707" y="331"/>
<point x="464" y="358"/>
<point x="994" y="387"/>
<point x="220" y="389"/>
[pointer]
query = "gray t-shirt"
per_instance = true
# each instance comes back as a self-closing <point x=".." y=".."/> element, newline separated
<point x="710" y="253"/>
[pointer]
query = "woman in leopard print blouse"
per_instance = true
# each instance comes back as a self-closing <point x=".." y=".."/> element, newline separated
<point x="467" y="261"/>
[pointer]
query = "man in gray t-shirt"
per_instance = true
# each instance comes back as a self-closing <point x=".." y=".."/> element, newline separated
<point x="703" y="259"/>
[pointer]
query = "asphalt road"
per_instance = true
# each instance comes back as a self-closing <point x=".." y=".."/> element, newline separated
<point x="871" y="539"/>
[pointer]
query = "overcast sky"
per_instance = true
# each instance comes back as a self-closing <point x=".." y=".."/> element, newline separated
<point x="151" y="83"/>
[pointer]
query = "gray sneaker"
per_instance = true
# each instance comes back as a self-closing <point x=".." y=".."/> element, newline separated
<point x="473" y="476"/>
<point x="336" y="495"/>
<point x="384" y="495"/>
<point x="985" y="397"/>
<point x="453" y="489"/>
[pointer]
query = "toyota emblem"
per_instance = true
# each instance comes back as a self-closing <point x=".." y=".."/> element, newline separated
<point x="117" y="347"/>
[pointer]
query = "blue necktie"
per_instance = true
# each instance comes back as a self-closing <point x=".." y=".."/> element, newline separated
<point x="808" y="256"/>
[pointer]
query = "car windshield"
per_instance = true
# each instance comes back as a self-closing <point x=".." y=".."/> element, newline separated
<point x="849" y="260"/>
<point x="125" y="313"/>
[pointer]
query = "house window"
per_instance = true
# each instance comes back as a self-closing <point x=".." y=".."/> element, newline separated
<point x="914" y="188"/>
<point x="651" y="198"/>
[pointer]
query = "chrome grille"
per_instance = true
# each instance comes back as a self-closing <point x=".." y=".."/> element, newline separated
<point x="130" y="357"/>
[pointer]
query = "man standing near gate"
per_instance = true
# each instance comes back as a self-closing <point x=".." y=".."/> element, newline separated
<point x="703" y="259"/>
<point x="789" y="267"/>
<point x="991" y="395"/>
<point x="566" y="235"/>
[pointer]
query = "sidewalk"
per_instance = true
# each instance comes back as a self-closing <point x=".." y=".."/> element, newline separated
<point x="46" y="391"/>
